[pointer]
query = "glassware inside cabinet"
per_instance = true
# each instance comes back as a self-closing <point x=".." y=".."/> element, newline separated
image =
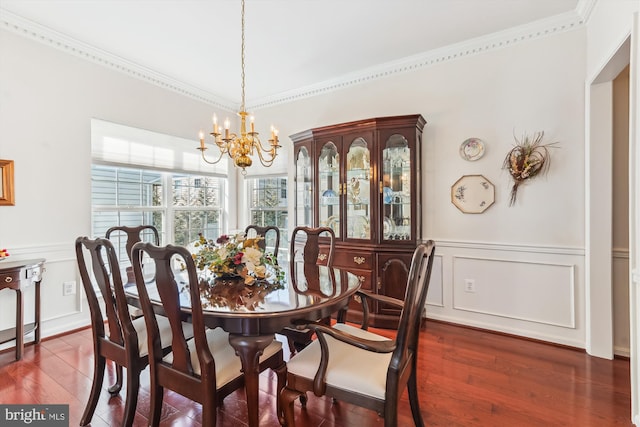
<point x="304" y="203"/>
<point x="329" y="187"/>
<point x="358" y="190"/>
<point x="396" y="190"/>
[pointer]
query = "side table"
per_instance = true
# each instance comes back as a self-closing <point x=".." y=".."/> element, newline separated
<point x="18" y="275"/>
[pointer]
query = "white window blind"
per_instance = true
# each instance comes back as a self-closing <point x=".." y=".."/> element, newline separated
<point x="113" y="143"/>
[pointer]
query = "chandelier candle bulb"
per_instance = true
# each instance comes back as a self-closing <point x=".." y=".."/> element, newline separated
<point x="251" y="119"/>
<point x="202" y="140"/>
<point x="215" y="124"/>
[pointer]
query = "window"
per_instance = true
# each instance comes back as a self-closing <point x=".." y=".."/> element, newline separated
<point x="179" y="205"/>
<point x="197" y="207"/>
<point x="268" y="205"/>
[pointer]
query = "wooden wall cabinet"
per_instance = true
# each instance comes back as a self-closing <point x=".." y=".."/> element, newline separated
<point x="362" y="179"/>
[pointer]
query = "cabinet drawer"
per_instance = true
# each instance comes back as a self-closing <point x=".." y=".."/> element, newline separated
<point x="9" y="279"/>
<point x="353" y="259"/>
<point x="364" y="277"/>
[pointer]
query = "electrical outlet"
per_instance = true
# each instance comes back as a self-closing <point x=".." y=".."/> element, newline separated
<point x="68" y="288"/>
<point x="469" y="285"/>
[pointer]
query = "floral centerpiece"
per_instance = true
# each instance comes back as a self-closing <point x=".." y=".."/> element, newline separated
<point x="3" y="254"/>
<point x="235" y="272"/>
<point x="235" y="256"/>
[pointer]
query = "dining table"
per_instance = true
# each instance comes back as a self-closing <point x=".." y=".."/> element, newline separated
<point x="253" y="314"/>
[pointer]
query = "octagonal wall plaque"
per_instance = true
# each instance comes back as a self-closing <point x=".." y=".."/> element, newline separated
<point x="473" y="194"/>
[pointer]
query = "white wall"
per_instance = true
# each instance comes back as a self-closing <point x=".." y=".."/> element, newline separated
<point x="528" y="260"/>
<point x="47" y="98"/>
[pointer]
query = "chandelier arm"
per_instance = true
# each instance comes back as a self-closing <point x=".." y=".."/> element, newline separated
<point x="222" y="153"/>
<point x="260" y="149"/>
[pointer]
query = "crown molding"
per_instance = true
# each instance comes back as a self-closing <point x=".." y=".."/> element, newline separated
<point x="553" y="25"/>
<point x="27" y="28"/>
<point x="584" y="9"/>
<point x="557" y="24"/>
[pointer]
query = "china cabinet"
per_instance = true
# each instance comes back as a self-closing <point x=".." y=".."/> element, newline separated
<point x="362" y="179"/>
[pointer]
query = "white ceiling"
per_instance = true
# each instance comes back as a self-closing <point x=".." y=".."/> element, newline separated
<point x="292" y="46"/>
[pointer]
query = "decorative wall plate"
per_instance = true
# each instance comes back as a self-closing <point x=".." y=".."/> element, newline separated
<point x="473" y="194"/>
<point x="472" y="149"/>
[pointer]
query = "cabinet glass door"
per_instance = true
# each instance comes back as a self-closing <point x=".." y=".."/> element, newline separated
<point x="358" y="194"/>
<point x="304" y="204"/>
<point x="396" y="191"/>
<point x="329" y="187"/>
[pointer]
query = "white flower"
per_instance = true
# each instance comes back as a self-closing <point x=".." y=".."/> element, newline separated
<point x="222" y="252"/>
<point x="261" y="271"/>
<point x="252" y="256"/>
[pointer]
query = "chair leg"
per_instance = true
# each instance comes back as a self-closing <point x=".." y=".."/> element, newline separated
<point x="281" y="374"/>
<point x="292" y="346"/>
<point x="131" y="401"/>
<point x="287" y="396"/>
<point x="155" y="408"/>
<point x="96" y="386"/>
<point x="414" y="401"/>
<point x="209" y="408"/>
<point x="115" y="388"/>
<point x="208" y="416"/>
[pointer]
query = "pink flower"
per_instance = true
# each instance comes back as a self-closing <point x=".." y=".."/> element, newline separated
<point x="237" y="258"/>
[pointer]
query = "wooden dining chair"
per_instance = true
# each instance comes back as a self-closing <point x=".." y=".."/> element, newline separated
<point x="133" y="235"/>
<point x="126" y="341"/>
<point x="357" y="366"/>
<point x="270" y="233"/>
<point x="205" y="368"/>
<point x="306" y="258"/>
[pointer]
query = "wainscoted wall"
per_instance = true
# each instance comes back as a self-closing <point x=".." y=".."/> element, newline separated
<point x="59" y="313"/>
<point x="620" y="284"/>
<point x="531" y="291"/>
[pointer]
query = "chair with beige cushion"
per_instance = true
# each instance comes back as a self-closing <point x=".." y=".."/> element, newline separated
<point x="357" y="366"/>
<point x="205" y="368"/>
<point x="270" y="233"/>
<point x="307" y="261"/>
<point x="126" y="341"/>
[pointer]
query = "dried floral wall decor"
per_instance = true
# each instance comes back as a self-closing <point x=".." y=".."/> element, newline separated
<point x="528" y="159"/>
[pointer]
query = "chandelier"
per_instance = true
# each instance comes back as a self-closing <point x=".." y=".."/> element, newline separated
<point x="240" y="147"/>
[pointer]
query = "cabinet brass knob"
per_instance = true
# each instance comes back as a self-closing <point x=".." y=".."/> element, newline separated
<point x="361" y="280"/>
<point x="322" y="257"/>
<point x="8" y="279"/>
<point x="358" y="260"/>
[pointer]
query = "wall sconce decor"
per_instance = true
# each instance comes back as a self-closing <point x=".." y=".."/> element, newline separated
<point x="528" y="159"/>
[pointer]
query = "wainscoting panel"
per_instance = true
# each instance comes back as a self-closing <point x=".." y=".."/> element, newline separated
<point x="620" y="279"/>
<point x="538" y="292"/>
<point x="434" y="295"/>
<point x="526" y="290"/>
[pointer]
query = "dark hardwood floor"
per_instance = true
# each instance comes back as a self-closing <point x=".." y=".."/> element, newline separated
<point x="466" y="378"/>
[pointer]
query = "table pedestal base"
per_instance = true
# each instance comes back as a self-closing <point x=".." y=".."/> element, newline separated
<point x="249" y="349"/>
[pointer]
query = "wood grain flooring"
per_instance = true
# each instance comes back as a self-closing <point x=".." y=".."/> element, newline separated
<point x="466" y="377"/>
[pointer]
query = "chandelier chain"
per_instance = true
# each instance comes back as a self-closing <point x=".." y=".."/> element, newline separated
<point x="243" y="145"/>
<point x="242" y="57"/>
